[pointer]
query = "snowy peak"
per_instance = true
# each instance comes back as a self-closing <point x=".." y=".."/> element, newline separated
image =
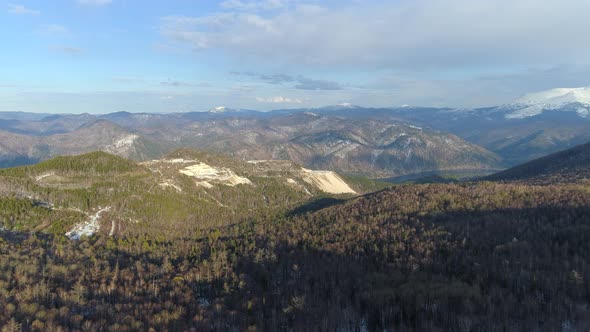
<point x="222" y="109"/>
<point x="560" y="99"/>
<point x="341" y="106"/>
<point x="556" y="97"/>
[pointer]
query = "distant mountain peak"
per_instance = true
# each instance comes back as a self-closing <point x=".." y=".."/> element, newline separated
<point x="341" y="106"/>
<point x="222" y="109"/>
<point x="559" y="99"/>
<point x="557" y="96"/>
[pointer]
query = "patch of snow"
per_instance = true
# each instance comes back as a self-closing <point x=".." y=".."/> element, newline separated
<point x="88" y="227"/>
<point x="326" y="181"/>
<point x="299" y="185"/>
<point x="113" y="225"/>
<point x="168" y="184"/>
<point x="340" y="106"/>
<point x="204" y="184"/>
<point x="525" y="112"/>
<point x="122" y="145"/>
<point x="205" y="172"/>
<point x="374" y="155"/>
<point x="342" y="152"/>
<point x="43" y="176"/>
<point x="222" y="109"/>
<point x="169" y="161"/>
<point x="255" y="162"/>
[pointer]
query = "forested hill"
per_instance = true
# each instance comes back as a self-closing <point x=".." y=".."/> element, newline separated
<point x="481" y="256"/>
<point x="186" y="191"/>
<point x="461" y="257"/>
<point x="565" y="166"/>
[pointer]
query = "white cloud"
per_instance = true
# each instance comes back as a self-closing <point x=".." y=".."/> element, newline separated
<point x="95" y="2"/>
<point x="21" y="10"/>
<point x="396" y="34"/>
<point x="301" y="82"/>
<point x="279" y="100"/>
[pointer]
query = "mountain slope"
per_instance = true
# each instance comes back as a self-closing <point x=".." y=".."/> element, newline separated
<point x="570" y="165"/>
<point x="376" y="148"/>
<point x="515" y="140"/>
<point x="18" y="149"/>
<point x="186" y="191"/>
<point x="444" y="257"/>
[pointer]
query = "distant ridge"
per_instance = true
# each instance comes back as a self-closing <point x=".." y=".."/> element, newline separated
<point x="569" y="165"/>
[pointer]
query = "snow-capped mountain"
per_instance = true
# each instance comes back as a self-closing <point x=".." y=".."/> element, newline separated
<point x="561" y="99"/>
<point x="339" y="107"/>
<point x="223" y="109"/>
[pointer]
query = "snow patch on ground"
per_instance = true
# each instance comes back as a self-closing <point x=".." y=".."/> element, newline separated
<point x="168" y="184"/>
<point x="88" y="227"/>
<point x="169" y="161"/>
<point x="43" y="176"/>
<point x="207" y="173"/>
<point x="255" y="162"/>
<point x="122" y="145"/>
<point x="327" y="181"/>
<point x="343" y="152"/>
<point x="204" y="184"/>
<point x="113" y="226"/>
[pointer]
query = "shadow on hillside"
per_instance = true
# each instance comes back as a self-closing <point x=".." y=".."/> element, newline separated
<point x="315" y="205"/>
<point x="455" y="270"/>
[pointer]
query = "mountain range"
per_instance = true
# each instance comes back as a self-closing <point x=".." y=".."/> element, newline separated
<point x="379" y="142"/>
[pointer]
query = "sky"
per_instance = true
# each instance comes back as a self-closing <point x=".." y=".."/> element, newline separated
<point x="101" y="56"/>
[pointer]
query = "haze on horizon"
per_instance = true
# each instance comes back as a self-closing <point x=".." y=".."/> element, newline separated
<point x="101" y="56"/>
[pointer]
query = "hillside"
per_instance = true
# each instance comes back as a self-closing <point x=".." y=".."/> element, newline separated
<point x="183" y="192"/>
<point x="374" y="148"/>
<point x="18" y="149"/>
<point x="479" y="256"/>
<point x="569" y="165"/>
<point x="514" y="139"/>
<point x="550" y="126"/>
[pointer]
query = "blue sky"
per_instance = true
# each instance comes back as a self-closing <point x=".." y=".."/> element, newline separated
<point x="100" y="56"/>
